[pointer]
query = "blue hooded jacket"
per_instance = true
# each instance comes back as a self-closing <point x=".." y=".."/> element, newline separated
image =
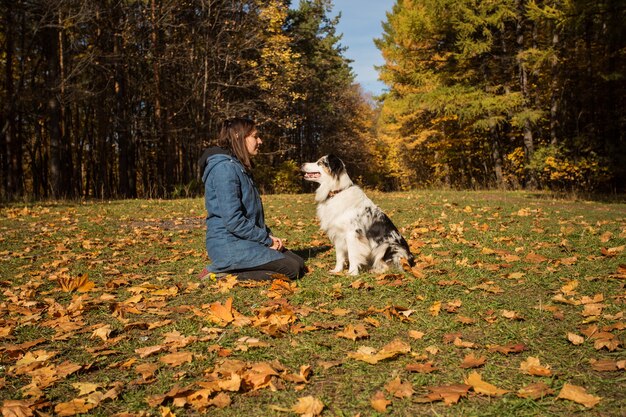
<point x="236" y="234"/>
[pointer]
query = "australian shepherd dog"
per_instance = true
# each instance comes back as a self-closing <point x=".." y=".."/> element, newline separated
<point x="361" y="233"/>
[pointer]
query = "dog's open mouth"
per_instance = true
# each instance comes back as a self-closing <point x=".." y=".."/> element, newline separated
<point x="311" y="175"/>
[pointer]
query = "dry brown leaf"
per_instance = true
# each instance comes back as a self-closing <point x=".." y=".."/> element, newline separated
<point x="471" y="361"/>
<point x="415" y="334"/>
<point x="399" y="389"/>
<point x="102" y="332"/>
<point x="150" y="350"/>
<point x="177" y="358"/>
<point x="575" y="339"/>
<point x="16" y="408"/>
<point x="222" y="314"/>
<point x="308" y="406"/>
<point x="482" y="387"/>
<point x="435" y="308"/>
<point x="379" y="402"/>
<point x="371" y="356"/>
<point x="354" y="332"/>
<point x="606" y="365"/>
<point x="578" y="395"/>
<point x="450" y="394"/>
<point x="85" y="388"/>
<point x="535" y="391"/>
<point x="422" y="368"/>
<point x="73" y="407"/>
<point x="532" y="366"/>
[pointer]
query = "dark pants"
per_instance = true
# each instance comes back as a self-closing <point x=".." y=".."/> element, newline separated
<point x="291" y="266"/>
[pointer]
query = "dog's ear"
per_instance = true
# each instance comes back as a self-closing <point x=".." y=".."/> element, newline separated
<point x="335" y="164"/>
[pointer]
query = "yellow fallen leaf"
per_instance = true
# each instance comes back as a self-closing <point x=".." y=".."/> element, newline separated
<point x="354" y="332"/>
<point x="379" y="402"/>
<point x="575" y="339"/>
<point x="482" y="387"/>
<point x="85" y="388"/>
<point x="578" y="395"/>
<point x="532" y="366"/>
<point x="535" y="391"/>
<point x="308" y="407"/>
<point x="177" y="358"/>
<point x="17" y="408"/>
<point x="399" y="389"/>
<point x="73" y="407"/>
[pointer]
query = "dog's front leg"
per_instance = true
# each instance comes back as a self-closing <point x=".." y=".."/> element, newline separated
<point x="357" y="253"/>
<point x="340" y="253"/>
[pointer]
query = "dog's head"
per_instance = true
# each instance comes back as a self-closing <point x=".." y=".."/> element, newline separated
<point x="327" y="167"/>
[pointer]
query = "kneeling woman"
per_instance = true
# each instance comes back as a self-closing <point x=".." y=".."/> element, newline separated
<point x="237" y="240"/>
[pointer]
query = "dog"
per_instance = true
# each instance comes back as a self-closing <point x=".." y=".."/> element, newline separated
<point x="359" y="230"/>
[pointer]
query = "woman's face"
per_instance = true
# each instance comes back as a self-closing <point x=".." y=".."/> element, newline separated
<point x="253" y="141"/>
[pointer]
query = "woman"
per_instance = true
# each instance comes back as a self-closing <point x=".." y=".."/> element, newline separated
<point x="237" y="239"/>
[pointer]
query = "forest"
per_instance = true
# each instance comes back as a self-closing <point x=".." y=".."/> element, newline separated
<point x="118" y="98"/>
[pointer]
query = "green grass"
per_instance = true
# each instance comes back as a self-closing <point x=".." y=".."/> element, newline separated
<point x="474" y="247"/>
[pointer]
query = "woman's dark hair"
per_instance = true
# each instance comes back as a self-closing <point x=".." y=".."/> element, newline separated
<point x="233" y="138"/>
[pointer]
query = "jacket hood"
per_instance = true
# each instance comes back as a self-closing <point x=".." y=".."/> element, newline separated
<point x="204" y="159"/>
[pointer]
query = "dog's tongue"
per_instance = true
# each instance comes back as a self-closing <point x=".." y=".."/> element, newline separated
<point x="311" y="175"/>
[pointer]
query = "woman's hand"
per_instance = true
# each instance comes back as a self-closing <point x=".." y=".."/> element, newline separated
<point x="277" y="244"/>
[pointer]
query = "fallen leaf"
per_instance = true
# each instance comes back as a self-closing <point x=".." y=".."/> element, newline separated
<point x="414" y="334"/>
<point x="16" y="408"/>
<point x="308" y="407"/>
<point x="177" y="358"/>
<point x="371" y="356"/>
<point x="379" y="402"/>
<point x="578" y="395"/>
<point x="535" y="391"/>
<point x="532" y="366"/>
<point x="450" y="394"/>
<point x="399" y="389"/>
<point x="85" y="388"/>
<point x="482" y="387"/>
<point x="422" y="368"/>
<point x="575" y="339"/>
<point x="354" y="332"/>
<point x="471" y="361"/>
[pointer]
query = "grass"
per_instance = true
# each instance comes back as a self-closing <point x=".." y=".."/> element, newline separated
<point x="480" y="255"/>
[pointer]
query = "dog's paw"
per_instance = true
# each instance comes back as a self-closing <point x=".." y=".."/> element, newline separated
<point x="336" y="270"/>
<point x="353" y="272"/>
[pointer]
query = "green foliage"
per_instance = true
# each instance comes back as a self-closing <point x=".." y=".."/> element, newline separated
<point x="471" y="83"/>
<point x="557" y="169"/>
<point x="287" y="179"/>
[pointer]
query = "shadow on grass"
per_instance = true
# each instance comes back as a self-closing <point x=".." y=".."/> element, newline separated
<point x="312" y="252"/>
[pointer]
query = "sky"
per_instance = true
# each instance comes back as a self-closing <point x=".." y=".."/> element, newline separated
<point x="361" y="22"/>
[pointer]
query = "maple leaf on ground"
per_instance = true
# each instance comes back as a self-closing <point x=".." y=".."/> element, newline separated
<point x="607" y="365"/>
<point x="578" y="395"/>
<point x="354" y="332"/>
<point x="16" y="408"/>
<point x="422" y="368"/>
<point x="79" y="283"/>
<point x="471" y="361"/>
<point x="73" y="407"/>
<point x="177" y="358"/>
<point x="481" y="387"/>
<point x="379" y="402"/>
<point x="532" y="366"/>
<point x="308" y="407"/>
<point x="399" y="389"/>
<point x="449" y="394"/>
<point x="575" y="339"/>
<point x="506" y="349"/>
<point x="371" y="356"/>
<point x="535" y="391"/>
